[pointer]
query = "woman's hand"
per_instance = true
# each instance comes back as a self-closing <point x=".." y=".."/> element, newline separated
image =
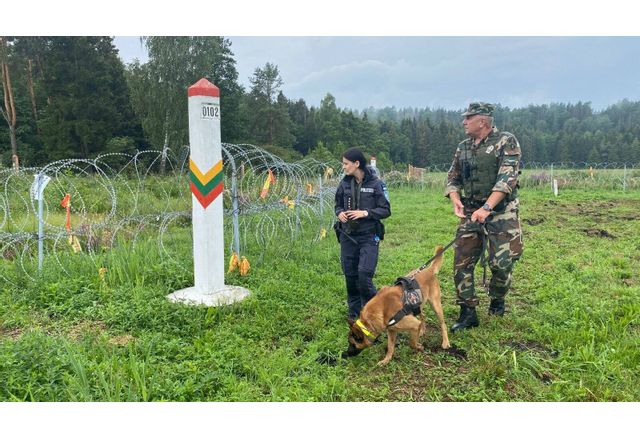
<point x="356" y="214"/>
<point x="342" y="216"/>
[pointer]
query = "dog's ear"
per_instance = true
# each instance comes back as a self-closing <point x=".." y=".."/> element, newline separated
<point x="350" y="322"/>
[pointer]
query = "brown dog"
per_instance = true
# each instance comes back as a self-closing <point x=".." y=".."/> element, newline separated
<point x="381" y="309"/>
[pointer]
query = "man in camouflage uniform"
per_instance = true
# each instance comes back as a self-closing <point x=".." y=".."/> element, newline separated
<point x="482" y="184"/>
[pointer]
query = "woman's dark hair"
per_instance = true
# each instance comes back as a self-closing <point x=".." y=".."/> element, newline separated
<point x="355" y="155"/>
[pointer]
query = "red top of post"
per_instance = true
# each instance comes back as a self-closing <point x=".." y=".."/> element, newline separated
<point x="204" y="88"/>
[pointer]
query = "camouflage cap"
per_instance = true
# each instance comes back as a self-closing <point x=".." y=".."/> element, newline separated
<point x="479" y="108"/>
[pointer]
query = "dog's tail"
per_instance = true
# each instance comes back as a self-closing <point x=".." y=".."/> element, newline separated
<point x="433" y="268"/>
<point x="437" y="262"/>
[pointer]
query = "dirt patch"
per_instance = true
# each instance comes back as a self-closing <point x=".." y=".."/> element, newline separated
<point x="511" y="388"/>
<point x="602" y="209"/>
<point x="414" y="386"/>
<point x="531" y="346"/>
<point x="534" y="221"/>
<point x="598" y="233"/>
<point x="597" y="205"/>
<point x="11" y="333"/>
<point x="456" y="352"/>
<point x="76" y="331"/>
<point x="97" y="327"/>
<point x="546" y="377"/>
<point x="121" y="340"/>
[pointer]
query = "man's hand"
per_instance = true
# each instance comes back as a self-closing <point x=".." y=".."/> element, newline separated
<point x="480" y="215"/>
<point x="458" y="208"/>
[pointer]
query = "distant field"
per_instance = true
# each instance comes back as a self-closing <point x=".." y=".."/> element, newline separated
<point x="539" y="177"/>
<point x="571" y="332"/>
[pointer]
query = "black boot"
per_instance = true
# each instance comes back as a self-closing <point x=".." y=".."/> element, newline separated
<point x="496" y="307"/>
<point x="468" y="318"/>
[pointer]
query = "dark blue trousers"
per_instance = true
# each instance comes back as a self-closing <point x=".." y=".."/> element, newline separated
<point x="359" y="260"/>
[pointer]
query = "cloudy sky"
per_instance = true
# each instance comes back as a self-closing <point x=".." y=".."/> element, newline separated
<point x="534" y="52"/>
<point x="441" y="72"/>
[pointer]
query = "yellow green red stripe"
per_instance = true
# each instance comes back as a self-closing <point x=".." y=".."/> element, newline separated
<point x="204" y="178"/>
<point x="206" y="187"/>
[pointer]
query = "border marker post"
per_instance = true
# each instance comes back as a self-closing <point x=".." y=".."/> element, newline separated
<point x="206" y="178"/>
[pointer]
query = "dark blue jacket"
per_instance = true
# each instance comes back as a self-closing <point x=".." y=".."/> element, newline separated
<point x="372" y="199"/>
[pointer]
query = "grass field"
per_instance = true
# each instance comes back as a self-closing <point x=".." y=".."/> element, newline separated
<point x="571" y="332"/>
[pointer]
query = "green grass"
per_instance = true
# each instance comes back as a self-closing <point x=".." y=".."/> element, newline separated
<point x="571" y="333"/>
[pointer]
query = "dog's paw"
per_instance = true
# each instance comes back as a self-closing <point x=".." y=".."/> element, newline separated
<point x="383" y="362"/>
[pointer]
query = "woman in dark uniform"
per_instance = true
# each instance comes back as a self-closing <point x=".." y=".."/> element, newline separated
<point x="360" y="204"/>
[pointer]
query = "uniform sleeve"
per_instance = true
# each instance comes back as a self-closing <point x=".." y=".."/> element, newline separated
<point x="383" y="208"/>
<point x="454" y="176"/>
<point x="509" y="169"/>
<point x="339" y="200"/>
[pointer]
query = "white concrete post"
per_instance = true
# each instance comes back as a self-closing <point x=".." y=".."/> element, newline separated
<point x="206" y="178"/>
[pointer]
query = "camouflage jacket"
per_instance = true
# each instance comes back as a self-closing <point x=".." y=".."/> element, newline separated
<point x="506" y="149"/>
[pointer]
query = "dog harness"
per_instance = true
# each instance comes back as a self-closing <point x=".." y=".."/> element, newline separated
<point x="411" y="299"/>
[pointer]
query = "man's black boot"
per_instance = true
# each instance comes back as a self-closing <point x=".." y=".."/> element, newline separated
<point x="496" y="307"/>
<point x="468" y="318"/>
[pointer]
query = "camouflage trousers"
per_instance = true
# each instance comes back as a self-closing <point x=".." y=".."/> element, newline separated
<point x="503" y="236"/>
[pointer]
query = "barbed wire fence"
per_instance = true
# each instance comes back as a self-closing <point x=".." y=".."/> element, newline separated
<point x="615" y="176"/>
<point x="119" y="198"/>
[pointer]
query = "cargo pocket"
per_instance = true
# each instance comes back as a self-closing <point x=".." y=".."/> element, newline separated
<point x="368" y="257"/>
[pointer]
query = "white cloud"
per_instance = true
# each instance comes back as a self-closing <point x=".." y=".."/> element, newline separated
<point x="447" y="72"/>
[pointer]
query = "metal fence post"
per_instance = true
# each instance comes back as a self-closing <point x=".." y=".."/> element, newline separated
<point x="40" y="234"/>
<point x="236" y="212"/>
<point x="37" y="192"/>
<point x="298" y="198"/>
<point x="320" y="197"/>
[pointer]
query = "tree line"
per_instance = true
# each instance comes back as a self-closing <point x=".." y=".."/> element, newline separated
<point x="72" y="97"/>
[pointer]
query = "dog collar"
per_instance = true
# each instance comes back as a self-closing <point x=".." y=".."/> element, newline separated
<point x="364" y="329"/>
